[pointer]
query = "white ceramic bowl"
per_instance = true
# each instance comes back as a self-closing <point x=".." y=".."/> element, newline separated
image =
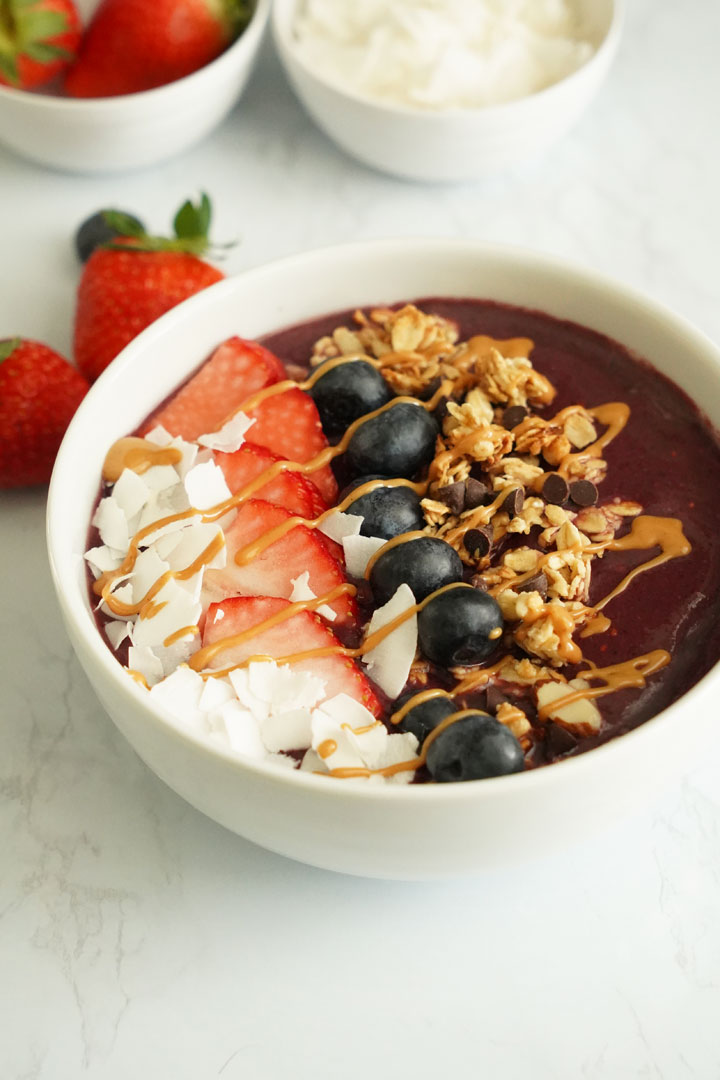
<point x="386" y="831"/>
<point x="102" y="135"/>
<point x="454" y="144"/>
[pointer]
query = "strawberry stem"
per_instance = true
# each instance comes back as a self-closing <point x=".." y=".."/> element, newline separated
<point x="191" y="227"/>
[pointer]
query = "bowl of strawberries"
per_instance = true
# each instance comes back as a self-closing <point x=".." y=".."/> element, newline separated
<point x="114" y="85"/>
<point x="378" y="557"/>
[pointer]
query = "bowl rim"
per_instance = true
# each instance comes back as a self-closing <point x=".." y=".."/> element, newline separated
<point x="73" y="601"/>
<point x="281" y="20"/>
<point x="247" y="40"/>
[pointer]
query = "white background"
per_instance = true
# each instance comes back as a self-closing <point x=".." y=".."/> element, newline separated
<point x="137" y="938"/>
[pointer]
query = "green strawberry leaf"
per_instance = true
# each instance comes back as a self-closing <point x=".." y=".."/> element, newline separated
<point x="9" y="69"/>
<point x="33" y="25"/>
<point x="123" y="224"/>
<point x="43" y="52"/>
<point x="237" y="15"/>
<point x="8" y="347"/>
<point x="193" y="222"/>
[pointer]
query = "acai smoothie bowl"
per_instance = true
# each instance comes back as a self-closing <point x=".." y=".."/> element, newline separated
<point x="399" y="558"/>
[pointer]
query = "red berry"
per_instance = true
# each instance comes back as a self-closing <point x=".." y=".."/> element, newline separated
<point x="134" y="45"/>
<point x="129" y="284"/>
<point x="301" y="632"/>
<point x="235" y="370"/>
<point x="272" y="571"/>
<point x="39" y="393"/>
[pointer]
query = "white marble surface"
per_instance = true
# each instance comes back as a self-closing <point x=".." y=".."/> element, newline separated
<point x="138" y="939"/>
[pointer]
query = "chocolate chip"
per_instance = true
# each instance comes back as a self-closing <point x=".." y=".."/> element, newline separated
<point x="555" y="489"/>
<point x="558" y="739"/>
<point x="513" y="416"/>
<point x="453" y="495"/>
<point x="583" y="493"/>
<point x="477" y="472"/>
<point x="495" y="698"/>
<point x="514" y="502"/>
<point x="476" y="493"/>
<point x="478" y="541"/>
<point x="432" y="388"/>
<point x="537" y="583"/>
<point x="441" y="409"/>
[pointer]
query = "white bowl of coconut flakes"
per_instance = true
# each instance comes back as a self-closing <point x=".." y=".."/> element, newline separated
<point x="446" y="90"/>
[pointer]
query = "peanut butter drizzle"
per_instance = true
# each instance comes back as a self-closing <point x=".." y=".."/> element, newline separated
<point x="402" y="538"/>
<point x="630" y="673"/>
<point x="599" y="624"/>
<point x="614" y="415"/>
<point x="206" y="655"/>
<point x="512" y="348"/>
<point x="363" y="729"/>
<point x="138" y="677"/>
<point x="563" y="624"/>
<point x="180" y="634"/>
<point x="347" y="773"/>
<point x="326" y="748"/>
<point x="417" y="699"/>
<point x="136" y="454"/>
<point x="144" y="606"/>
<point x="292" y="384"/>
<point x="649" y="532"/>
<point x="250" y="551"/>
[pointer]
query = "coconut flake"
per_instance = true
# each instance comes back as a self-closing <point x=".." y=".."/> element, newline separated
<point x="205" y="486"/>
<point x="112" y="524"/>
<point x="390" y="661"/>
<point x="116" y="632"/>
<point x="290" y="730"/>
<point x="178" y="610"/>
<point x="149" y="567"/>
<point x="143" y="660"/>
<point x="103" y="560"/>
<point x="338" y="525"/>
<point x="358" y="552"/>
<point x="241" y="730"/>
<point x="180" y="694"/>
<point x="131" y="493"/>
<point x="301" y="591"/>
<point x="231" y="435"/>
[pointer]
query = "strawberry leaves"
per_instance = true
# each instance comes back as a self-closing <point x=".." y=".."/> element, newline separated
<point x="30" y="30"/>
<point x="7" y="348"/>
<point x="191" y="227"/>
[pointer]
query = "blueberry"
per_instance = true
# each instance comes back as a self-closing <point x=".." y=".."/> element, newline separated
<point x="347" y="392"/>
<point x="474" y="747"/>
<point x="425" y="563"/>
<point x="388" y="511"/>
<point x="97" y="230"/>
<point x="398" y="442"/>
<point x="456" y="627"/>
<point x="422" y="718"/>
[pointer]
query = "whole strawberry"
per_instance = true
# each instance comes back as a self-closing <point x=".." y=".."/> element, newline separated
<point x="38" y="40"/>
<point x="133" y="45"/>
<point x="39" y="393"/>
<point x="132" y="281"/>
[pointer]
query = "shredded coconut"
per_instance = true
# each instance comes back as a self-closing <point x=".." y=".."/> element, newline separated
<point x="440" y="54"/>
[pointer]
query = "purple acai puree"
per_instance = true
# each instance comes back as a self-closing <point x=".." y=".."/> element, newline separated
<point x="667" y="459"/>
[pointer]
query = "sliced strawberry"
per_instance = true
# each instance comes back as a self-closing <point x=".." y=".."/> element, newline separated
<point x="289" y="425"/>
<point x="236" y="369"/>
<point x="272" y="571"/>
<point x="291" y="490"/>
<point x="299" y="633"/>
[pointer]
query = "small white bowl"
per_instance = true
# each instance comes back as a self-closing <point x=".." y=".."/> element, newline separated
<point x="392" y="831"/>
<point x="103" y="135"/>
<point x="453" y="144"/>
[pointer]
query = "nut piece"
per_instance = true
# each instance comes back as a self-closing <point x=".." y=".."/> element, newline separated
<point x="581" y="716"/>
